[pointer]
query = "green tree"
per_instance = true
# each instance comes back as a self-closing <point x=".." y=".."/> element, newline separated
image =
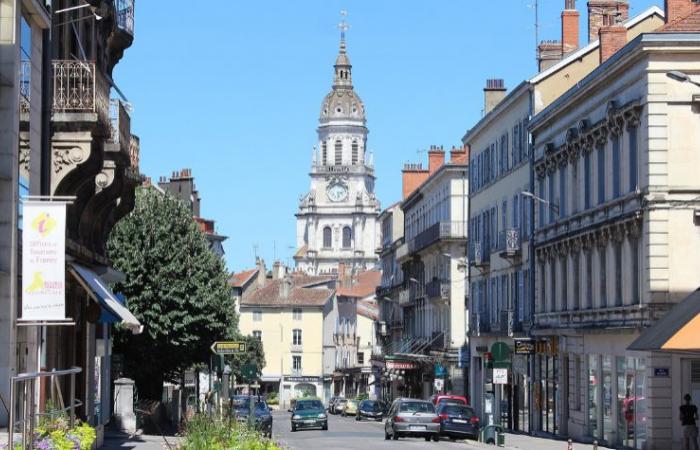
<point x="175" y="286"/>
<point x="254" y="355"/>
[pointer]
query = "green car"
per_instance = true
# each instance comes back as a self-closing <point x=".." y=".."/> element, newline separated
<point x="309" y="413"/>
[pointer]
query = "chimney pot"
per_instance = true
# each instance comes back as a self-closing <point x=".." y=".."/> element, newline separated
<point x="612" y="39"/>
<point x="436" y="158"/>
<point x="602" y="13"/>
<point x="678" y="9"/>
<point x="494" y="92"/>
<point x="569" y="27"/>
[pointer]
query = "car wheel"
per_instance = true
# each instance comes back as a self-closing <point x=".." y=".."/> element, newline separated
<point x="386" y="436"/>
<point x="294" y="428"/>
<point x="325" y="427"/>
<point x="395" y="436"/>
<point x="452" y="439"/>
<point x="358" y="417"/>
<point x="427" y="438"/>
<point x="436" y="438"/>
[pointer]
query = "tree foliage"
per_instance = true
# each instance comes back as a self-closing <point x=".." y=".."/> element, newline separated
<point x="175" y="286"/>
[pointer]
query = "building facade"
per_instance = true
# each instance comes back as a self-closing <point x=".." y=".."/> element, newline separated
<point x="337" y="218"/>
<point x="615" y="156"/>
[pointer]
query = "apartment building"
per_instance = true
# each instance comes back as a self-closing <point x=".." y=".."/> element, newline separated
<point x="616" y="239"/>
<point x="501" y="203"/>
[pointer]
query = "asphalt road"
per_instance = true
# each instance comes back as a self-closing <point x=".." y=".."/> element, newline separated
<point x="347" y="433"/>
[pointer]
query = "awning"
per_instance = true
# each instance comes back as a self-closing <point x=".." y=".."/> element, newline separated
<point x="101" y="293"/>
<point x="679" y="329"/>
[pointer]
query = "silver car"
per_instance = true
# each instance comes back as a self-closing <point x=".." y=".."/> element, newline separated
<point x="412" y="417"/>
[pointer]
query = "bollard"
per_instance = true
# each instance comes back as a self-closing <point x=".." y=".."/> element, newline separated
<point x="595" y="445"/>
<point x="570" y="446"/>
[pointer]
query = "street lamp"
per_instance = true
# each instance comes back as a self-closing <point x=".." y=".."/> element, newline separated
<point x="681" y="76"/>
<point x="553" y="206"/>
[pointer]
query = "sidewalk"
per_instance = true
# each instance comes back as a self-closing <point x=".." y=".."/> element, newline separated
<point x="120" y="441"/>
<point x="525" y="442"/>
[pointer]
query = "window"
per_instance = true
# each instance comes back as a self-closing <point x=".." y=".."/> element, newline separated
<point x="296" y="314"/>
<point x="347" y="237"/>
<point x="553" y="280"/>
<point x="634" y="256"/>
<point x="618" y="273"/>
<point x="257" y="334"/>
<point x="587" y="180"/>
<point x="564" y="283"/>
<point x="296" y="363"/>
<point x="355" y="152"/>
<point x="504" y="215"/>
<point x="360" y="357"/>
<point x="574" y="187"/>
<point x="327" y="237"/>
<point x="589" y="278"/>
<point x="503" y="162"/>
<point x="617" y="184"/>
<point x="338" y="153"/>
<point x="577" y="275"/>
<point x="601" y="274"/>
<point x="542" y="306"/>
<point x="632" y="132"/>
<point x="257" y="315"/>
<point x="324" y="153"/>
<point x="552" y="200"/>
<point x="296" y="336"/>
<point x="601" y="174"/>
<point x="540" y="188"/>
<point x="516" y="212"/>
<point x="562" y="192"/>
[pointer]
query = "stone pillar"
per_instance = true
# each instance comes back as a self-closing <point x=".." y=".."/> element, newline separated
<point x="124" y="416"/>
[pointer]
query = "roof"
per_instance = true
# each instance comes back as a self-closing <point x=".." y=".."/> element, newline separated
<point x="690" y="22"/>
<point x="676" y="330"/>
<point x="368" y="308"/>
<point x="241" y="278"/>
<point x="361" y="285"/>
<point x="301" y="293"/>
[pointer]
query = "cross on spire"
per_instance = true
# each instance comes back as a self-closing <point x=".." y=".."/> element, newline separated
<point x="343" y="25"/>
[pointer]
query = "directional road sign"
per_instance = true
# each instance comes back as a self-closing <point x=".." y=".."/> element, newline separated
<point x="228" y="347"/>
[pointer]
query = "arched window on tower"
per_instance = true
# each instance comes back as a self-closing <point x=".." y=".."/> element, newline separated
<point x="338" y="153"/>
<point x="355" y="152"/>
<point x="347" y="237"/>
<point x="324" y="153"/>
<point x="327" y="237"/>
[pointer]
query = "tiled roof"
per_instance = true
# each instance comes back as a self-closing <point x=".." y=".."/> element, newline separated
<point x="368" y="308"/>
<point x="241" y="278"/>
<point x="689" y="23"/>
<point x="299" y="295"/>
<point x="361" y="285"/>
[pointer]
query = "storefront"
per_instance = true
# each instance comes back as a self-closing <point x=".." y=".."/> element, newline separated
<point x="298" y="387"/>
<point x="546" y="386"/>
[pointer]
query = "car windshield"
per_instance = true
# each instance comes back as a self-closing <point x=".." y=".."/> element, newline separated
<point x="369" y="405"/>
<point x="240" y="401"/>
<point x="309" y="404"/>
<point x="340" y="402"/>
<point x="352" y="402"/>
<point x="260" y="406"/>
<point x="417" y="407"/>
<point x="454" y="401"/>
<point x="456" y="410"/>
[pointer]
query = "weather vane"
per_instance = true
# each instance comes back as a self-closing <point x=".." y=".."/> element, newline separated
<point x="343" y="25"/>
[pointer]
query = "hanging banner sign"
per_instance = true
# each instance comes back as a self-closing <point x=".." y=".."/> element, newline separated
<point x="44" y="261"/>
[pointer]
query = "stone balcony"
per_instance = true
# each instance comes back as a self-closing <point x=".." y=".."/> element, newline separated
<point x="627" y="316"/>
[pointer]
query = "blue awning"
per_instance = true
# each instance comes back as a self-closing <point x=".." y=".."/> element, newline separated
<point x="101" y="293"/>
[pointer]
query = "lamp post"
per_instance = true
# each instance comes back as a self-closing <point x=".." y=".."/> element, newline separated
<point x="681" y="77"/>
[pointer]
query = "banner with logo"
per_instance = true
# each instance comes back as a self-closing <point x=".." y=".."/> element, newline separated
<point x="44" y="261"/>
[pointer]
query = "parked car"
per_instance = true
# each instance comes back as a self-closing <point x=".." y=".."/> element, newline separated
<point x="309" y="413"/>
<point x="340" y="405"/>
<point x="350" y="408"/>
<point x="370" y="409"/>
<point x="262" y="412"/>
<point x="448" y="398"/>
<point x="412" y="417"/>
<point x="331" y="403"/>
<point x="458" y="421"/>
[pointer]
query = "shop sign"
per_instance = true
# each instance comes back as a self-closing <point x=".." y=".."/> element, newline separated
<point x="500" y="376"/>
<point x="439" y="384"/>
<point x="524" y="346"/>
<point x="366" y="369"/>
<point x="440" y="370"/>
<point x="302" y="379"/>
<point x="662" y="371"/>
<point x="44" y="261"/>
<point x="547" y="345"/>
<point x="500" y="352"/>
<point x="400" y="365"/>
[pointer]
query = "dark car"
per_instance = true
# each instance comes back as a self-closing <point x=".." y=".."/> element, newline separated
<point x="370" y="409"/>
<point x="458" y="421"/>
<point x="331" y="404"/>
<point x="309" y="413"/>
<point x="240" y="406"/>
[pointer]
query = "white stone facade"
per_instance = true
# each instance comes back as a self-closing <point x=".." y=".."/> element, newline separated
<point x="337" y="218"/>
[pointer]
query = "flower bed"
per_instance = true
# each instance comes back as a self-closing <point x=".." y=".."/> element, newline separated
<point x="209" y="433"/>
<point x="58" y="436"/>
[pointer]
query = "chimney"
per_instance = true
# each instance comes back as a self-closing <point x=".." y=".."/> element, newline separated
<point x="278" y="271"/>
<point x="262" y="273"/>
<point x="678" y="9"/>
<point x="286" y="286"/>
<point x="569" y="27"/>
<point x="459" y="155"/>
<point x="493" y="94"/>
<point x="412" y="176"/>
<point x="436" y="158"/>
<point x="548" y="54"/>
<point x="605" y="13"/>
<point x="612" y="39"/>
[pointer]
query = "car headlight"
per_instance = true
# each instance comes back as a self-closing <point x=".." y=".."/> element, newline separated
<point x="321" y="416"/>
<point x="296" y="417"/>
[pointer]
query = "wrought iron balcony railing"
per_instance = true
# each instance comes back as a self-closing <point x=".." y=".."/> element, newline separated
<point x="438" y="289"/>
<point x="480" y="323"/>
<point x="509" y="242"/>
<point x="79" y="87"/>
<point x="25" y="78"/>
<point x="125" y="15"/>
<point x="477" y="256"/>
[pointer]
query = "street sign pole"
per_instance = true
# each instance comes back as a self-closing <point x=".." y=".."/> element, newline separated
<point x="251" y="422"/>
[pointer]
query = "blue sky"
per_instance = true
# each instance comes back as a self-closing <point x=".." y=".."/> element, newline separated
<point x="232" y="90"/>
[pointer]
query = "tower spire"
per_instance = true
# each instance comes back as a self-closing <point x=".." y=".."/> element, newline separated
<point x="343" y="69"/>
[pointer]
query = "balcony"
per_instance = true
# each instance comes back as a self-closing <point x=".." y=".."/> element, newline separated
<point x="79" y="88"/>
<point x="509" y="243"/>
<point x="120" y="125"/>
<point x="477" y="256"/>
<point x="125" y="15"/>
<point x="438" y="289"/>
<point x="25" y="77"/>
<point x="437" y="232"/>
<point x="439" y="341"/>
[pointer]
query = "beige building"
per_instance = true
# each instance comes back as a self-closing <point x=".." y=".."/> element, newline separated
<point x="500" y="216"/>
<point x="287" y="314"/>
<point x="616" y="156"/>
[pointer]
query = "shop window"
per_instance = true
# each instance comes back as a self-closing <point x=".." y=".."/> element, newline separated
<point x="593" y="395"/>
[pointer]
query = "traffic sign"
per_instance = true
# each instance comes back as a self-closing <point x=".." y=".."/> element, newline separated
<point x="228" y="347"/>
<point x="249" y="371"/>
